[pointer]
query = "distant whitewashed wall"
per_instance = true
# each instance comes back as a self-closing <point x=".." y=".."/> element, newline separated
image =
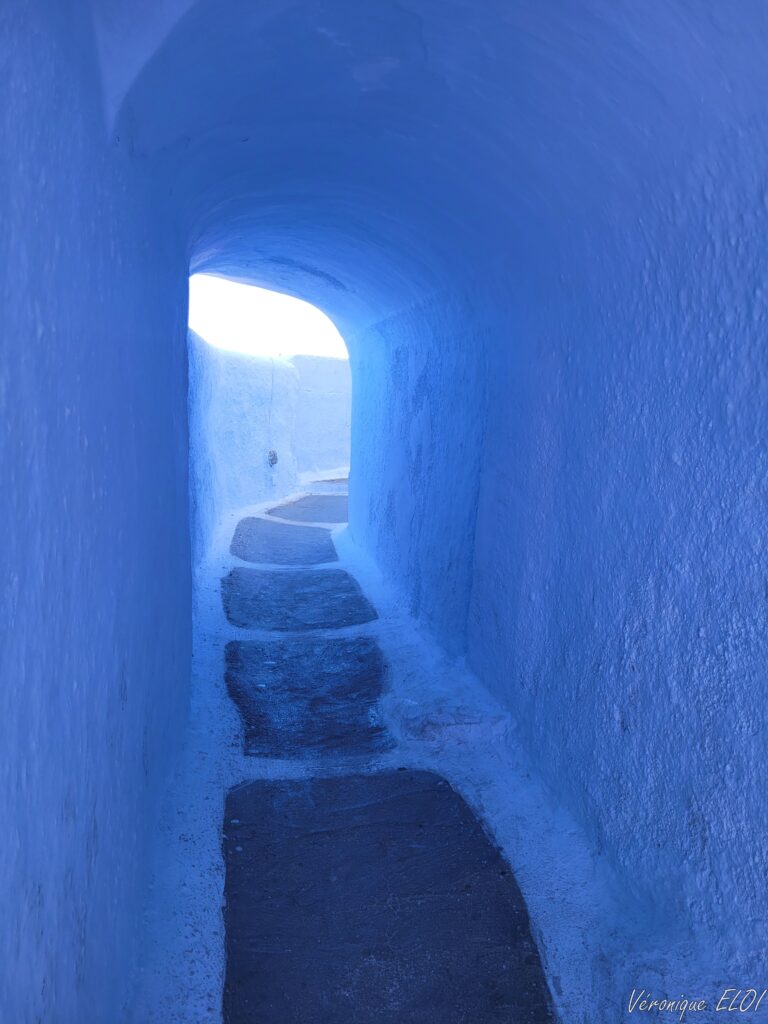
<point x="247" y="411"/>
<point x="323" y="413"/>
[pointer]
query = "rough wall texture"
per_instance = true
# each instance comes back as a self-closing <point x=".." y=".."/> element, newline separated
<point x="590" y="181"/>
<point x="419" y="418"/>
<point x="241" y="409"/>
<point x="94" y="561"/>
<point x="593" y="177"/>
<point x="619" y="602"/>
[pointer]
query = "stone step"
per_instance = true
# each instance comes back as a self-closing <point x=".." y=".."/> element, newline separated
<point x="306" y="698"/>
<point x="275" y="543"/>
<point x="314" y="508"/>
<point x="294" y="600"/>
<point x="372" y="899"/>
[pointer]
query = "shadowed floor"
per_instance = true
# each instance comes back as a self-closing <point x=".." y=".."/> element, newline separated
<point x="264" y="540"/>
<point x="372" y="898"/>
<point x="314" y="508"/>
<point x="300" y="698"/>
<point x="294" y="600"/>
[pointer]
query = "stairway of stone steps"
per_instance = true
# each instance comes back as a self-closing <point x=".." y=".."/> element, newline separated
<point x="354" y="894"/>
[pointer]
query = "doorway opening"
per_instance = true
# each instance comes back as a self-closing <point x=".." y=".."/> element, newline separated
<point x="270" y="402"/>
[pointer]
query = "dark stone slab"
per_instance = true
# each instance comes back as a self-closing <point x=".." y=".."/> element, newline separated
<point x="294" y="600"/>
<point x="264" y="540"/>
<point x="308" y="697"/>
<point x="334" y="485"/>
<point x="372" y="899"/>
<point x="314" y="508"/>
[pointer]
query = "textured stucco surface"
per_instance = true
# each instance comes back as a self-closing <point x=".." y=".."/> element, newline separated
<point x="94" y="561"/>
<point x="419" y="418"/>
<point x="629" y="627"/>
<point x="242" y="408"/>
<point x="542" y="233"/>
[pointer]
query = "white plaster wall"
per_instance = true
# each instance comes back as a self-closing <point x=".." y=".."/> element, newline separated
<point x="94" y="559"/>
<point x="618" y="559"/>
<point x="323" y="413"/>
<point x="241" y="407"/>
<point x="419" y="419"/>
<point x="619" y="596"/>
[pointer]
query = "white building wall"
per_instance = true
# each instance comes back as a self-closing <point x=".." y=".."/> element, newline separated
<point x="258" y="426"/>
<point x="95" y="598"/>
<point x="323" y="413"/>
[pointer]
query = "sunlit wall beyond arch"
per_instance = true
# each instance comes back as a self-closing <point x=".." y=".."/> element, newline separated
<point x="270" y="401"/>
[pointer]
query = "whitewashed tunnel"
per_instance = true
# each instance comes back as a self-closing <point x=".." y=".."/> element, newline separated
<point x="540" y="230"/>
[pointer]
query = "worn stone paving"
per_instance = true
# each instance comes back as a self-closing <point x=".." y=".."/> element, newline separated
<point x="353" y="895"/>
<point x="314" y="508"/>
<point x="334" y="484"/>
<point x="304" y="697"/>
<point x="373" y="898"/>
<point x="274" y="543"/>
<point x="294" y="600"/>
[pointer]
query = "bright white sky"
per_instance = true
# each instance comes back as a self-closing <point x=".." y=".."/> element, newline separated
<point x="242" y="318"/>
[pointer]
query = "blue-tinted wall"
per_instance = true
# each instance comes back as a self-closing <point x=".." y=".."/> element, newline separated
<point x="541" y="229"/>
<point x="619" y="598"/>
<point x="417" y="448"/>
<point x="94" y="555"/>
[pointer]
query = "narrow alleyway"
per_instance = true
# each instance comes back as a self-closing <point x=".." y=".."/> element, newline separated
<point x="353" y="832"/>
<point x="540" y="230"/>
<point x="353" y="893"/>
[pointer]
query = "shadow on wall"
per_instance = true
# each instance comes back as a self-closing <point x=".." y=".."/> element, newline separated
<point x="259" y="427"/>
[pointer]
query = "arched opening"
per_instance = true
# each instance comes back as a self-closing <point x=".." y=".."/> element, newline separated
<point x="540" y="229"/>
<point x="270" y="402"/>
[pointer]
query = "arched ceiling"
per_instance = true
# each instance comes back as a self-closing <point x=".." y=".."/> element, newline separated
<point x="362" y="155"/>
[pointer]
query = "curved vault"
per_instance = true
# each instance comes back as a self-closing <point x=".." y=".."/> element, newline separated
<point x="537" y="222"/>
<point x="366" y="156"/>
